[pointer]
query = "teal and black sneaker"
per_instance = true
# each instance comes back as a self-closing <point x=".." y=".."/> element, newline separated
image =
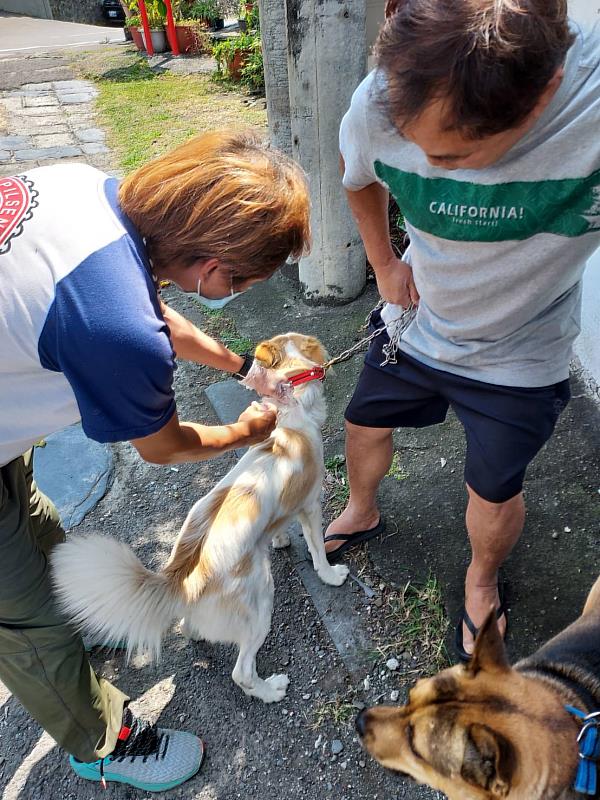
<point x="149" y="758"/>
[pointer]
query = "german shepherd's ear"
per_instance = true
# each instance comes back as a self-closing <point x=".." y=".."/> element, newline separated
<point x="489" y="653"/>
<point x="268" y="354"/>
<point x="313" y="350"/>
<point x="488" y="761"/>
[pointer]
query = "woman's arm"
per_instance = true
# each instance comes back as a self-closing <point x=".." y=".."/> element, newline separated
<point x="178" y="442"/>
<point x="190" y="344"/>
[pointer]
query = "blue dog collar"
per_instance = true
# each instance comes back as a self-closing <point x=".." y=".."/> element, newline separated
<point x="586" y="780"/>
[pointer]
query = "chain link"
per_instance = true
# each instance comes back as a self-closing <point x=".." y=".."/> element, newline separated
<point x="400" y="324"/>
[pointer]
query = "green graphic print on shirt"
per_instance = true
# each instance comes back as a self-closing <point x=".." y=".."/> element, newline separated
<point x="472" y="212"/>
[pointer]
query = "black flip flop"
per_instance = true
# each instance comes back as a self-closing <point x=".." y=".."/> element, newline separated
<point x="474" y="630"/>
<point x="351" y="540"/>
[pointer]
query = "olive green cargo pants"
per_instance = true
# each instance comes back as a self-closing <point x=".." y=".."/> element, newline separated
<point x="42" y="659"/>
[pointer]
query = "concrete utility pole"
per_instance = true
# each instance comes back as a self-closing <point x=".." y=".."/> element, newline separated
<point x="326" y="61"/>
<point x="274" y="46"/>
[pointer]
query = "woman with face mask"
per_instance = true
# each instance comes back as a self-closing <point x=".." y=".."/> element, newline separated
<point x="86" y="337"/>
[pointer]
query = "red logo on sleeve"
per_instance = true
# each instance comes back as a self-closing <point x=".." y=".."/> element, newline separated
<point x="17" y="201"/>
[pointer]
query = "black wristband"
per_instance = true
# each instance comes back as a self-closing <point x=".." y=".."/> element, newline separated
<point x="245" y="368"/>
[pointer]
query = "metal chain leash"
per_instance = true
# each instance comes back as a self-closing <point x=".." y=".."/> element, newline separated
<point x="390" y="350"/>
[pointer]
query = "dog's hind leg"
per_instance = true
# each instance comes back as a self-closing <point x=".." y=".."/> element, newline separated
<point x="244" y="673"/>
<point x="312" y="527"/>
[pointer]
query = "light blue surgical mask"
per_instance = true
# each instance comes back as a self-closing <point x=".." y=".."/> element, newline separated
<point x="214" y="304"/>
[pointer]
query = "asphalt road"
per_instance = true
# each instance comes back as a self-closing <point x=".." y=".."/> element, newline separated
<point x="20" y="34"/>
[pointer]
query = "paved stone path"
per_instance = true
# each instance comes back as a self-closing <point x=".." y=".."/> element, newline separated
<point x="51" y="122"/>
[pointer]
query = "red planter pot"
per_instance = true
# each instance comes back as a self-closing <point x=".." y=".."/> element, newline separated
<point x="186" y="39"/>
<point x="138" y="39"/>
<point x="235" y="66"/>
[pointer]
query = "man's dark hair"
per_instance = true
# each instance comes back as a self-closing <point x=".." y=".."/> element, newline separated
<point x="489" y="59"/>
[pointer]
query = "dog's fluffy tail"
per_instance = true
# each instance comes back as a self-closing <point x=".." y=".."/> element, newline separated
<point x="106" y="590"/>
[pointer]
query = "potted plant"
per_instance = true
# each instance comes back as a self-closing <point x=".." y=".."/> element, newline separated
<point x="232" y="54"/>
<point x="242" y="22"/>
<point x="252" y="72"/>
<point x="248" y="16"/>
<point x="134" y="24"/>
<point x="191" y="36"/>
<point x="157" y="12"/>
<point x="208" y="12"/>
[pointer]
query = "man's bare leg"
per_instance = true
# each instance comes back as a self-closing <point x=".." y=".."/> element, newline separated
<point x="369" y="454"/>
<point x="494" y="529"/>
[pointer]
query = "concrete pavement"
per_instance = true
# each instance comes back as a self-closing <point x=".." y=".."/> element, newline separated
<point x="20" y="34"/>
<point x="49" y="122"/>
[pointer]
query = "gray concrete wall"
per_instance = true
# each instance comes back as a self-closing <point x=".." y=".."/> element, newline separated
<point x="31" y="8"/>
<point x="87" y="11"/>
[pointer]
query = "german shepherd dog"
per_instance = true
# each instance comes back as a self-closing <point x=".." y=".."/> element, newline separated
<point x="486" y="730"/>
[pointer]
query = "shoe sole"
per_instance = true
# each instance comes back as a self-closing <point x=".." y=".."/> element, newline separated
<point x="83" y="771"/>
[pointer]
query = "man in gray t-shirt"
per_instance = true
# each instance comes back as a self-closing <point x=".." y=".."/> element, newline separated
<point x="483" y="120"/>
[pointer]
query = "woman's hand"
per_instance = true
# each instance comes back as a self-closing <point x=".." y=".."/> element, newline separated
<point x="260" y="419"/>
<point x="396" y="284"/>
<point x="180" y="442"/>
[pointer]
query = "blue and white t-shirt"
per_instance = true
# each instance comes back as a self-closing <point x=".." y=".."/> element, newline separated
<point x="81" y="332"/>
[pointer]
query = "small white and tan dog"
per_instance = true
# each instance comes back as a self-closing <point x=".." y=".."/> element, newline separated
<point x="218" y="577"/>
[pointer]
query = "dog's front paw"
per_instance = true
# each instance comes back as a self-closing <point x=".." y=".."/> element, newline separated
<point x="335" y="575"/>
<point x="281" y="540"/>
<point x="275" y="688"/>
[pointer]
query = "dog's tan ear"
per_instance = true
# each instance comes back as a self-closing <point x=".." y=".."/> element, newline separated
<point x="313" y="349"/>
<point x="268" y="354"/>
<point x="489" y="653"/>
<point x="489" y="761"/>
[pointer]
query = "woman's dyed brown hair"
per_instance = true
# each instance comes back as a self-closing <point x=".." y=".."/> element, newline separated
<point x="221" y="195"/>
<point x="489" y="59"/>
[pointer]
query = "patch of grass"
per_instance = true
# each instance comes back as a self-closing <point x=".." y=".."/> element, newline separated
<point x="338" y="712"/>
<point x="396" y="470"/>
<point x="147" y="113"/>
<point x="337" y="489"/>
<point x="416" y="622"/>
<point x="222" y="327"/>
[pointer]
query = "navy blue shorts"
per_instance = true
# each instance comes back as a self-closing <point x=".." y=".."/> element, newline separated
<point x="505" y="426"/>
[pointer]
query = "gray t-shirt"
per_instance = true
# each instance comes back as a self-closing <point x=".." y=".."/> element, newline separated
<point x="497" y="254"/>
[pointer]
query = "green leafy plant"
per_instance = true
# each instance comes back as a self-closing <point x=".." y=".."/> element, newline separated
<point x="202" y="41"/>
<point x="225" y="50"/>
<point x="134" y="21"/>
<point x="157" y="13"/>
<point x="416" y="623"/>
<point x="208" y="10"/>
<point x="253" y="70"/>
<point x="337" y="712"/>
<point x="249" y="13"/>
<point x="337" y="490"/>
<point x="396" y="469"/>
<point x="155" y="9"/>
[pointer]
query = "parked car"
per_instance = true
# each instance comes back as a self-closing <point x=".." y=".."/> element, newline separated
<point x="112" y="11"/>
